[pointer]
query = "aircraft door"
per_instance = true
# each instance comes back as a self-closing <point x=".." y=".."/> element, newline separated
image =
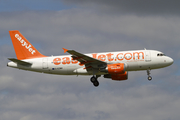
<point x="148" y="56"/>
<point x="45" y="63"/>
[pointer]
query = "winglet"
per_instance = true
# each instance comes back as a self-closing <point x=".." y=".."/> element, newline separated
<point x="65" y="50"/>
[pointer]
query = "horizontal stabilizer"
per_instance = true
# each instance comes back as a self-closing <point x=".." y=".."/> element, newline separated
<point x="19" y="61"/>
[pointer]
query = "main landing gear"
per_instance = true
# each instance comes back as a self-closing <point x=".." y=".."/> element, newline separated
<point x="148" y="73"/>
<point x="94" y="80"/>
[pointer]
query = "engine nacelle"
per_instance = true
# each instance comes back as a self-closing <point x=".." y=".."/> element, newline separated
<point x="117" y="77"/>
<point x="120" y="77"/>
<point x="118" y="68"/>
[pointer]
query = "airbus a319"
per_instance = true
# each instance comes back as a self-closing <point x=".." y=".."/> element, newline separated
<point x="112" y="65"/>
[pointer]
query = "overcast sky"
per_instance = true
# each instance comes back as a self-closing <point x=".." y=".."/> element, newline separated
<point x="90" y="26"/>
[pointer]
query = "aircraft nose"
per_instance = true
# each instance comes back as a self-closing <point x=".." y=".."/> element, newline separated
<point x="170" y="61"/>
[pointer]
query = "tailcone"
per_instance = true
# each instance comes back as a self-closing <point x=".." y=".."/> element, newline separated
<point x="12" y="64"/>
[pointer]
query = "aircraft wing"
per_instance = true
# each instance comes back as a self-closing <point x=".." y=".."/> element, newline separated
<point x="87" y="60"/>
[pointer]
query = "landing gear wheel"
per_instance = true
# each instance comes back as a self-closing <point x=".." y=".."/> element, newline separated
<point x="93" y="79"/>
<point x="96" y="83"/>
<point x="149" y="78"/>
<point x="148" y="73"/>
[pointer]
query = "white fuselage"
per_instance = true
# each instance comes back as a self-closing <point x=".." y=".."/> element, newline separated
<point x="64" y="65"/>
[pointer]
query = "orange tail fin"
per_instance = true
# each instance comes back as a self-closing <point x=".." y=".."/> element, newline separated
<point x="23" y="48"/>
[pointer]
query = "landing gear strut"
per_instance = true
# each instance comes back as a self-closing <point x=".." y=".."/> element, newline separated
<point x="148" y="73"/>
<point x="95" y="81"/>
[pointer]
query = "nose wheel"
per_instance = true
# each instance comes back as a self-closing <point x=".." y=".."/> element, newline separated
<point x="148" y="73"/>
<point x="149" y="78"/>
<point x="95" y="81"/>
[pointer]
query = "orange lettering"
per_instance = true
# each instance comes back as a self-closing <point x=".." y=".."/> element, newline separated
<point x="66" y="60"/>
<point x="109" y="57"/>
<point x="57" y="61"/>
<point x="120" y="58"/>
<point x="81" y="64"/>
<point x="74" y="61"/>
<point x="126" y="56"/>
<point x="94" y="55"/>
<point x="102" y="57"/>
<point x="138" y="53"/>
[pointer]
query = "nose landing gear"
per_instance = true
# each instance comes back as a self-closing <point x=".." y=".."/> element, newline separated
<point x="149" y="78"/>
<point x="148" y="73"/>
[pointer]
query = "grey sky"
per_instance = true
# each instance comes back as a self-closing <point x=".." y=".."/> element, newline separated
<point x="137" y="7"/>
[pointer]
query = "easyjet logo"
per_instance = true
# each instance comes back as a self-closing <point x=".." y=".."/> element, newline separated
<point x="25" y="44"/>
<point x="119" y="56"/>
<point x="114" y="68"/>
<point x="64" y="61"/>
<point x="133" y="56"/>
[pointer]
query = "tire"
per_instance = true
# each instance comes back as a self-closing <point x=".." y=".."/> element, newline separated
<point x="93" y="79"/>
<point x="96" y="83"/>
<point x="149" y="78"/>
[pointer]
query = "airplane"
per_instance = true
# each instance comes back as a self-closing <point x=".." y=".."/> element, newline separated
<point x="112" y="65"/>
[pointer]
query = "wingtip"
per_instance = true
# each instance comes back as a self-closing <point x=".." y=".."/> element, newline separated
<point x="65" y="50"/>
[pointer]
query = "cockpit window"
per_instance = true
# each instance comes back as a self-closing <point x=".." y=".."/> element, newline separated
<point x="161" y="54"/>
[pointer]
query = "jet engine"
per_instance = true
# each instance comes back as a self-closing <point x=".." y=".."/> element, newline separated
<point x="117" y="77"/>
<point x="116" y="72"/>
<point x="118" y="68"/>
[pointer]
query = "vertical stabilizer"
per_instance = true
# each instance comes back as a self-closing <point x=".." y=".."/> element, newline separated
<point x="23" y="48"/>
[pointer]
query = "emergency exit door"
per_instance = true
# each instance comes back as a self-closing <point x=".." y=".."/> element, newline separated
<point x="45" y="63"/>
